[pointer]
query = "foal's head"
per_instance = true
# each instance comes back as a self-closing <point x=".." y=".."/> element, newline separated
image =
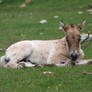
<point x="73" y="38"/>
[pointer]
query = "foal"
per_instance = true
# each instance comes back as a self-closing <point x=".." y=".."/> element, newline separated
<point x="60" y="52"/>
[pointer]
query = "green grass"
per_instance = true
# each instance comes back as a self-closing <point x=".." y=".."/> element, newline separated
<point x="66" y="79"/>
<point x="23" y="23"/>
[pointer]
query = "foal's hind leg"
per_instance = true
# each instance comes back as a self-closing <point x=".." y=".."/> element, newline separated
<point x="13" y="63"/>
<point x="19" y="64"/>
<point x="25" y="64"/>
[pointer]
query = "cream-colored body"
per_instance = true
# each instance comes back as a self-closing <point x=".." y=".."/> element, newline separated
<point x="39" y="51"/>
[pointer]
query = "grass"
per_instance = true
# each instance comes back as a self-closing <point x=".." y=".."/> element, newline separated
<point x="23" y="23"/>
<point x="66" y="79"/>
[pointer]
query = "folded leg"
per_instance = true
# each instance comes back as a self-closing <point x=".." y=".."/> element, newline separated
<point x="84" y="62"/>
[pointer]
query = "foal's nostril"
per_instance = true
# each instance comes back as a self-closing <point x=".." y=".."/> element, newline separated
<point x="74" y="56"/>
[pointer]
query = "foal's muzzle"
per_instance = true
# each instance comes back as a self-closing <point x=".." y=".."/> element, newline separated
<point x="74" y="55"/>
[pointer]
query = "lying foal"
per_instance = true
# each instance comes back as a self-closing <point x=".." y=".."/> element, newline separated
<point x="60" y="52"/>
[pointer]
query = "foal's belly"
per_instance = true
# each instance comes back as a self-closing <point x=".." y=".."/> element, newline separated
<point x="38" y="58"/>
<point x="40" y="52"/>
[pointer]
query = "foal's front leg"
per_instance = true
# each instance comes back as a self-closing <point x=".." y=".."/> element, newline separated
<point x="60" y="61"/>
<point x="64" y="63"/>
<point x="80" y="62"/>
<point x="84" y="62"/>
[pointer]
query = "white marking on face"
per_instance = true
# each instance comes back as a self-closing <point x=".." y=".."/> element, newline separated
<point x="74" y="52"/>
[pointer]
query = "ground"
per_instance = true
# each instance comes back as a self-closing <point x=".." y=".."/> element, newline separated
<point x="24" y="23"/>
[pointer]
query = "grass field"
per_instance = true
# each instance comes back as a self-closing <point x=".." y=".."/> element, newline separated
<point x="24" y="23"/>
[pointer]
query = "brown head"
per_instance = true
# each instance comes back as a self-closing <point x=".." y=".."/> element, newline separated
<point x="73" y="38"/>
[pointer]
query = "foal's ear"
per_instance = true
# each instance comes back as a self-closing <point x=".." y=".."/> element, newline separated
<point x="63" y="26"/>
<point x="80" y="26"/>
